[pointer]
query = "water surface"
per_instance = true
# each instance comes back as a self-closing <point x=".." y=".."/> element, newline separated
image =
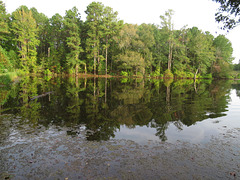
<point x="134" y="109"/>
<point x="119" y="128"/>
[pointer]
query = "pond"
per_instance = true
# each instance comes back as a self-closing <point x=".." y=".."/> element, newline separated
<point x="96" y="128"/>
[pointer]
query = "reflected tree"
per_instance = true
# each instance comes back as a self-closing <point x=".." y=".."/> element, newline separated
<point x="101" y="106"/>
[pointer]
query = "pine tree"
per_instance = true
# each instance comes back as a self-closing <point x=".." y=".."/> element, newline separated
<point x="110" y="28"/>
<point x="94" y="25"/>
<point x="73" y="41"/>
<point x="3" y="22"/>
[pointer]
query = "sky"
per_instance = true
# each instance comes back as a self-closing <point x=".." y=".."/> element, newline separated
<point x="199" y="13"/>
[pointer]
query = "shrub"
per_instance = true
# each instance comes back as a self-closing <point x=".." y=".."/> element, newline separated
<point x="139" y="74"/>
<point x="156" y="73"/>
<point x="168" y="74"/>
<point x="207" y="76"/>
<point x="124" y="80"/>
<point x="47" y="72"/>
<point x="4" y="61"/>
<point x="190" y="75"/>
<point x="124" y="73"/>
<point x="180" y="74"/>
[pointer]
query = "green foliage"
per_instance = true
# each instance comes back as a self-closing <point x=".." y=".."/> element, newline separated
<point x="22" y="73"/>
<point x="47" y="72"/>
<point x="180" y="74"/>
<point x="4" y="29"/>
<point x="13" y="58"/>
<point x="94" y="32"/>
<point x="25" y="30"/>
<point x="103" y="44"/>
<point x="8" y="77"/>
<point x="190" y="75"/>
<point x="228" y="13"/>
<point x="5" y="79"/>
<point x="237" y="67"/>
<point x="156" y="73"/>
<point x="4" y="61"/>
<point x="168" y="74"/>
<point x="124" y="80"/>
<point x="73" y="41"/>
<point x="124" y="73"/>
<point x="207" y="76"/>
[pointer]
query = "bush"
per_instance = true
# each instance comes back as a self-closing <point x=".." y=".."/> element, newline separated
<point x="190" y="75"/>
<point x="124" y="80"/>
<point x="21" y="72"/>
<point x="4" y="61"/>
<point x="156" y="73"/>
<point x="180" y="74"/>
<point x="168" y="74"/>
<point x="47" y="72"/>
<point x="139" y="74"/>
<point x="124" y="73"/>
<point x="207" y="76"/>
<point x="13" y="58"/>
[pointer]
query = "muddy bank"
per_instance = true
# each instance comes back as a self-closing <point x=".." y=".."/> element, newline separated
<point x="27" y="152"/>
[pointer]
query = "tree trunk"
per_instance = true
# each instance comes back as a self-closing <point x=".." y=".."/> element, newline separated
<point x="49" y="52"/>
<point x="94" y="65"/>
<point x="106" y="56"/>
<point x="98" y="64"/>
<point x="195" y="75"/>
<point x="94" y="59"/>
<point x="105" y="89"/>
<point x="106" y="62"/>
<point x="170" y="56"/>
<point x="168" y="95"/>
<point x="76" y="71"/>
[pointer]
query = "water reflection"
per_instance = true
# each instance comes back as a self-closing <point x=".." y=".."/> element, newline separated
<point x="103" y="106"/>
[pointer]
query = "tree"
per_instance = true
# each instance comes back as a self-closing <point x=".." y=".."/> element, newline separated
<point x="223" y="48"/>
<point x="110" y="28"/>
<point x="200" y="50"/>
<point x="223" y="55"/>
<point x="180" y="58"/>
<point x="145" y="33"/>
<point x="73" y="41"/>
<point x="160" y="50"/>
<point x="3" y="22"/>
<point x="130" y="57"/>
<point x="43" y="35"/>
<point x="25" y="29"/>
<point x="56" y="52"/>
<point x="167" y="25"/>
<point x="94" y="31"/>
<point x="228" y="13"/>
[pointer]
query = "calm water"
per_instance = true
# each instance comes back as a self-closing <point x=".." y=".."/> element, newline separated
<point x="131" y="109"/>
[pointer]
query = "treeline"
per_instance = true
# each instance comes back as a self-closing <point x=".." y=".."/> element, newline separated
<point x="33" y="43"/>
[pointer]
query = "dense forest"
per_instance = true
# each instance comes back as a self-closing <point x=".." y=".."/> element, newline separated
<point x="30" y="42"/>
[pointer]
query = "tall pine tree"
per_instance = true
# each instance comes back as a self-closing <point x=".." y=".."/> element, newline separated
<point x="25" y="29"/>
<point x="73" y="41"/>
